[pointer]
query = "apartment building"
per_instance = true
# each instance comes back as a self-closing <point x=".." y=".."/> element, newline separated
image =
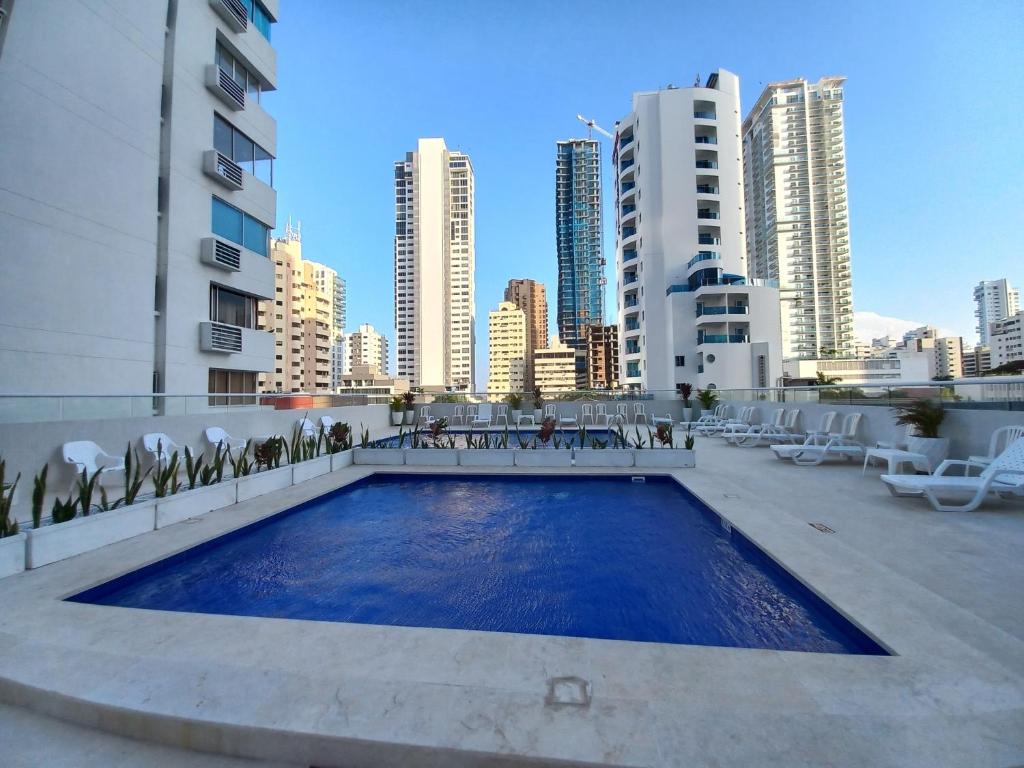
<point x="139" y="165"/>
<point x="899" y="365"/>
<point x="994" y="300"/>
<point x="365" y="347"/>
<point x="506" y="350"/>
<point x="949" y="359"/>
<point x="434" y="264"/>
<point x="602" y="344"/>
<point x="556" y="367"/>
<point x="1007" y="340"/>
<point x="578" y="232"/>
<point x="977" y="361"/>
<point x="367" y="381"/>
<point x="797" y="212"/>
<point x="329" y="283"/>
<point x="688" y="311"/>
<point x="531" y="297"/>
<point x="302" y="319"/>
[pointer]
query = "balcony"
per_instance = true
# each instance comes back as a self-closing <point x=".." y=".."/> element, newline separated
<point x="632" y="347"/>
<point x="629" y="255"/>
<point x="703" y="256"/>
<point x="708" y="240"/>
<point x="632" y="324"/>
<point x="224" y="87"/>
<point x="627" y="186"/>
<point x="222" y="169"/>
<point x="704" y="115"/>
<point x="628" y="209"/>
<point x="629" y="278"/>
<point x="625" y="165"/>
<point x="707" y="213"/>
<point x="706" y="189"/>
<point x="625" y="141"/>
<point x="630" y="301"/>
<point x="705" y="140"/>
<point x="702" y="311"/>
<point x="712" y="164"/>
<point x="233" y="12"/>
<point x="722" y="338"/>
<point x="628" y="232"/>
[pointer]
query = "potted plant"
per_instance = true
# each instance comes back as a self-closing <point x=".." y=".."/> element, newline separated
<point x="397" y="406"/>
<point x="538" y="405"/>
<point x="409" y="399"/>
<point x="924" y="417"/>
<point x="708" y="399"/>
<point x="685" y="391"/>
<point x="515" y="404"/>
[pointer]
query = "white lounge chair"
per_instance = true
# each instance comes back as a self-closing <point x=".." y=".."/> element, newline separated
<point x="1003" y="476"/>
<point x="160" y="447"/>
<point x="825" y="426"/>
<point x="738" y="436"/>
<point x="711" y="424"/>
<point x="771" y="434"/>
<point x="1001" y="438"/>
<point x="305" y="428"/>
<point x="816" y="448"/>
<point x="482" y="416"/>
<point x="459" y="414"/>
<point x="740" y="425"/>
<point x="88" y="456"/>
<point x="217" y="436"/>
<point x="326" y="422"/>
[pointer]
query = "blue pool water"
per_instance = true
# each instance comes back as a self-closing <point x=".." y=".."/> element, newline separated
<point x="564" y="436"/>
<point x="585" y="557"/>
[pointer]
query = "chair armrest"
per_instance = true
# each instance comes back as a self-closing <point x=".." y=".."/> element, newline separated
<point x="950" y="463"/>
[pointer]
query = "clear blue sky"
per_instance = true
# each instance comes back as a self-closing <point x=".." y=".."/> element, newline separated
<point x="933" y="127"/>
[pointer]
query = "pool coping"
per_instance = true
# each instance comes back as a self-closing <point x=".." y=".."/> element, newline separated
<point x="408" y="696"/>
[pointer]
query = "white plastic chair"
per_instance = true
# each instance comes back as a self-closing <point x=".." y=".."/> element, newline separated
<point x="326" y="422"/>
<point x="1000" y="440"/>
<point x="550" y="411"/>
<point x="88" y="456"/>
<point x="502" y="414"/>
<point x="621" y="413"/>
<point x="459" y="414"/>
<point x="217" y="436"/>
<point x="425" y="417"/>
<point x="1003" y="476"/>
<point x="160" y="447"/>
<point x="482" y="417"/>
<point x="587" y="412"/>
<point x="601" y="414"/>
<point x="568" y="419"/>
<point x="639" y="412"/>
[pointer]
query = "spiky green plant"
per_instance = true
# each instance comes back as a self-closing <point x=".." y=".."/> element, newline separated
<point x="165" y="479"/>
<point x="523" y="442"/>
<point x="213" y="472"/>
<point x="556" y="441"/>
<point x="470" y="440"/>
<point x="364" y="437"/>
<point x="105" y="505"/>
<point x="689" y="440"/>
<point x="8" y="525"/>
<point x="620" y="436"/>
<point x="320" y="438"/>
<point x="402" y="435"/>
<point x="85" y="488"/>
<point x="639" y="441"/>
<point x="241" y="466"/>
<point x="598" y="444"/>
<point x="708" y="398"/>
<point x="192" y="467"/>
<point x="133" y="480"/>
<point x="64" y="509"/>
<point x="924" y="415"/>
<point x="38" y="493"/>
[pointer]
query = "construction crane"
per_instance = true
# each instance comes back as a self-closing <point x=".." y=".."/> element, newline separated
<point x="592" y="126"/>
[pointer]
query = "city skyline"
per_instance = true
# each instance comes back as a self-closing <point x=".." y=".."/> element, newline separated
<point x="519" y="111"/>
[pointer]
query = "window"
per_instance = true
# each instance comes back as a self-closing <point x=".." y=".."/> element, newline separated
<point x="246" y="80"/>
<point x="232" y="308"/>
<point x="680" y="361"/>
<point x="223" y="383"/>
<point x="239" y="227"/>
<point x="259" y="16"/>
<point x="231" y="142"/>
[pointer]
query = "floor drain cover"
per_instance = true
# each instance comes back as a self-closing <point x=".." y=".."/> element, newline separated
<point x="821" y="527"/>
<point x="568" y="692"/>
<point x="731" y="495"/>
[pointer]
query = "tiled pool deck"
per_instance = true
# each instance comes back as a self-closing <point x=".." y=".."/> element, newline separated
<point x="941" y="590"/>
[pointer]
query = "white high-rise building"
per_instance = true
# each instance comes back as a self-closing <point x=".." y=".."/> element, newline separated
<point x="434" y="264"/>
<point x="687" y="311"/>
<point x="506" y="350"/>
<point x="367" y="347"/>
<point x="1007" y="339"/>
<point x="137" y="167"/>
<point x="994" y="300"/>
<point x="797" y="218"/>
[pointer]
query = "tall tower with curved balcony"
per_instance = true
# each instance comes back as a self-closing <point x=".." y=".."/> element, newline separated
<point x="687" y="310"/>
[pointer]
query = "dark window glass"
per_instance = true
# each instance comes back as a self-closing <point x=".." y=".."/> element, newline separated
<point x="254" y="235"/>
<point x="244" y="152"/>
<point x="227" y="222"/>
<point x="264" y="166"/>
<point x="230" y="307"/>
<point x="222" y="135"/>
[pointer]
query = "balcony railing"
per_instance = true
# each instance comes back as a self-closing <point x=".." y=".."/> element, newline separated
<point x="707" y="164"/>
<point x="628" y="255"/>
<point x="706" y="189"/>
<point x="628" y="185"/>
<point x="628" y="209"/>
<point x="629" y="277"/>
<point x="704" y="116"/>
<point x="222" y="85"/>
<point x="702" y="310"/>
<point x="624" y="140"/>
<point x="219" y="337"/>
<point x="631" y="301"/>
<point x="705" y="140"/>
<point x="233" y="12"/>
<point x="626" y="164"/>
<point x="628" y="232"/>
<point x="632" y="324"/>
<point x="722" y="338"/>
<point x="707" y="213"/>
<point x="222" y="169"/>
<point x="703" y="256"/>
<point x="708" y="240"/>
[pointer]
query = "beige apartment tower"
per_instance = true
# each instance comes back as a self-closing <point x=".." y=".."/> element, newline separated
<point x="302" y="319"/>
<point x="555" y="368"/>
<point x="531" y="297"/>
<point x="434" y="263"/>
<point x="366" y="347"/>
<point x="797" y="218"/>
<point x="507" y="350"/>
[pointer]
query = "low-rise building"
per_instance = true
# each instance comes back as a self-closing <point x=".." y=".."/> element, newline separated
<point x="366" y="380"/>
<point x="900" y="365"/>
<point x="367" y="347"/>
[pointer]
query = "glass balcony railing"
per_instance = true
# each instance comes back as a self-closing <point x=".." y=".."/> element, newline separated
<point x="626" y="164"/>
<point x="628" y="209"/>
<point x="704" y="116"/>
<point x="706" y="213"/>
<point x="629" y="277"/>
<point x="722" y="338"/>
<point x="707" y="164"/>
<point x="632" y="348"/>
<point x="706" y="189"/>
<point x="628" y="232"/>
<point x="628" y="255"/>
<point x="628" y="186"/>
<point x="702" y="310"/>
<point x="708" y="240"/>
<point x="705" y="140"/>
<point x="624" y="140"/>
<point x="631" y="301"/>
<point x="632" y="324"/>
<point x="703" y="256"/>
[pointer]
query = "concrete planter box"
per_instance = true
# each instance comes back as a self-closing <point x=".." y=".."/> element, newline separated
<point x="487" y="457"/>
<point x="12" y="554"/>
<point x="544" y="457"/>
<point x="310" y="468"/>
<point x="604" y="457"/>
<point x="83" y="534"/>
<point x="936" y="449"/>
<point x="251" y="486"/>
<point x="431" y="457"/>
<point x="341" y="460"/>
<point x="388" y="456"/>
<point x="664" y="457"/>
<point x="199" y="501"/>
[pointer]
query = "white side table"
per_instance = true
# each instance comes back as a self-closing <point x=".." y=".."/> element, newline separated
<point x="896" y="459"/>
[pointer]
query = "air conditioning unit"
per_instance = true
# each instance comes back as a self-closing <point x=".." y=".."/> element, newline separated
<point x="233" y="12"/>
<point x="219" y="337"/>
<point x="224" y="87"/>
<point x="220" y="253"/>
<point x="223" y="169"/>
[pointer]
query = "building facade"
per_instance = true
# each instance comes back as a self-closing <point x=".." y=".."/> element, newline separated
<point x="531" y="297"/>
<point x="1005" y="337"/>
<point x="377" y="388"/>
<point x="149" y="194"/>
<point x="507" y="349"/>
<point x="367" y="348"/>
<point x="977" y="361"/>
<point x="434" y="265"/>
<point x="949" y="358"/>
<point x="688" y="313"/>
<point x="302" y="319"/>
<point x="797" y="217"/>
<point x="555" y="367"/>
<point x="994" y="300"/>
<point x="578" y="233"/>
<point x="602" y="342"/>
<point x="900" y="365"/>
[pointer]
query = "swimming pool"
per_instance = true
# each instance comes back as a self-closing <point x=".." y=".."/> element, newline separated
<point x="559" y="439"/>
<point x="600" y="557"/>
